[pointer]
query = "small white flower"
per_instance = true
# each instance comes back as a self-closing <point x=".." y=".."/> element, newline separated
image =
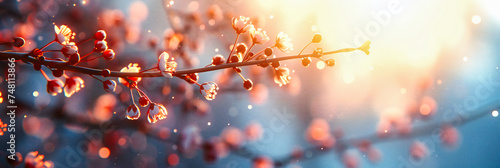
<point x="209" y="90"/>
<point x="259" y="36"/>
<point x="190" y="139"/>
<point x="283" y="42"/>
<point x="241" y="24"/>
<point x="156" y="112"/>
<point x="282" y="76"/>
<point x="132" y="67"/>
<point x="69" y="49"/>
<point x="54" y="86"/>
<point x="63" y="34"/>
<point x="133" y="112"/>
<point x="109" y="85"/>
<point x="73" y="85"/>
<point x="166" y="67"/>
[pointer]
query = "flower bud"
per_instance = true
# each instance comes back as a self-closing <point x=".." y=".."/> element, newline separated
<point x="330" y="62"/>
<point x="100" y="35"/>
<point x="109" y="54"/>
<point x="133" y="112"/>
<point x="100" y="46"/>
<point x="248" y="84"/>
<point x="218" y="60"/>
<point x="306" y="61"/>
<point x="54" y="86"/>
<point x="109" y="85"/>
<point x="317" y="38"/>
<point x="143" y="101"/>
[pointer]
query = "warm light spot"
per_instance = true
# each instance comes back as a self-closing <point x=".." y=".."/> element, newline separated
<point x="250" y="107"/>
<point x="84" y="2"/>
<point x="403" y="91"/>
<point x="318" y="134"/>
<point x="25" y="116"/>
<point x="211" y="22"/>
<point x="465" y="59"/>
<point x="209" y="123"/>
<point x="175" y="130"/>
<point x="35" y="94"/>
<point x="104" y="152"/>
<point x="476" y="19"/>
<point x="425" y="109"/>
<point x="171" y="3"/>
<point x="271" y="16"/>
<point x="348" y="78"/>
<point x="385" y="131"/>
<point x="494" y="113"/>
<point x="173" y="159"/>
<point x="122" y="141"/>
<point x="314" y="28"/>
<point x="439" y="82"/>
<point x="216" y="49"/>
<point x="320" y="65"/>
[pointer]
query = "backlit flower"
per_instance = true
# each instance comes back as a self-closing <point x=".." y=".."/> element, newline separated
<point x="109" y="85"/>
<point x="233" y="136"/>
<point x="282" y="76"/>
<point x="209" y="90"/>
<point x="262" y="162"/>
<point x="241" y="24"/>
<point x="54" y="86"/>
<point x="69" y="49"/>
<point x="166" y="67"/>
<point x="419" y="150"/>
<point x="73" y="85"/>
<point x="33" y="160"/>
<point x="258" y="36"/>
<point x="190" y="140"/>
<point x="133" y="112"/>
<point x="63" y="34"/>
<point x="156" y="112"/>
<point x="132" y="67"/>
<point x="283" y="42"/>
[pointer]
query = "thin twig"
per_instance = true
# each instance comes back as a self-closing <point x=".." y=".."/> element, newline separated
<point x="91" y="71"/>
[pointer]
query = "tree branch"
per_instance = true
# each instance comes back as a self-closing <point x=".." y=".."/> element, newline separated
<point x="25" y="57"/>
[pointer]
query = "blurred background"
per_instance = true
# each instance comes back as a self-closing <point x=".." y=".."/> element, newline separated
<point x="431" y="78"/>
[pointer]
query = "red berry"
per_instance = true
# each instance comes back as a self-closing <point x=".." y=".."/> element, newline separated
<point x="306" y="61"/>
<point x="105" y="72"/>
<point x="57" y="73"/>
<point x="218" y="59"/>
<point x="330" y="62"/>
<point x="109" y="54"/>
<point x="268" y="51"/>
<point x="234" y="59"/>
<point x="74" y="59"/>
<point x="263" y="57"/>
<point x="100" y="35"/>
<point x="143" y="101"/>
<point x="317" y="38"/>
<point x="276" y="64"/>
<point x="241" y="48"/>
<point x="18" y="42"/>
<point x="18" y="159"/>
<point x="248" y="84"/>
<point x="100" y="46"/>
<point x="37" y="66"/>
